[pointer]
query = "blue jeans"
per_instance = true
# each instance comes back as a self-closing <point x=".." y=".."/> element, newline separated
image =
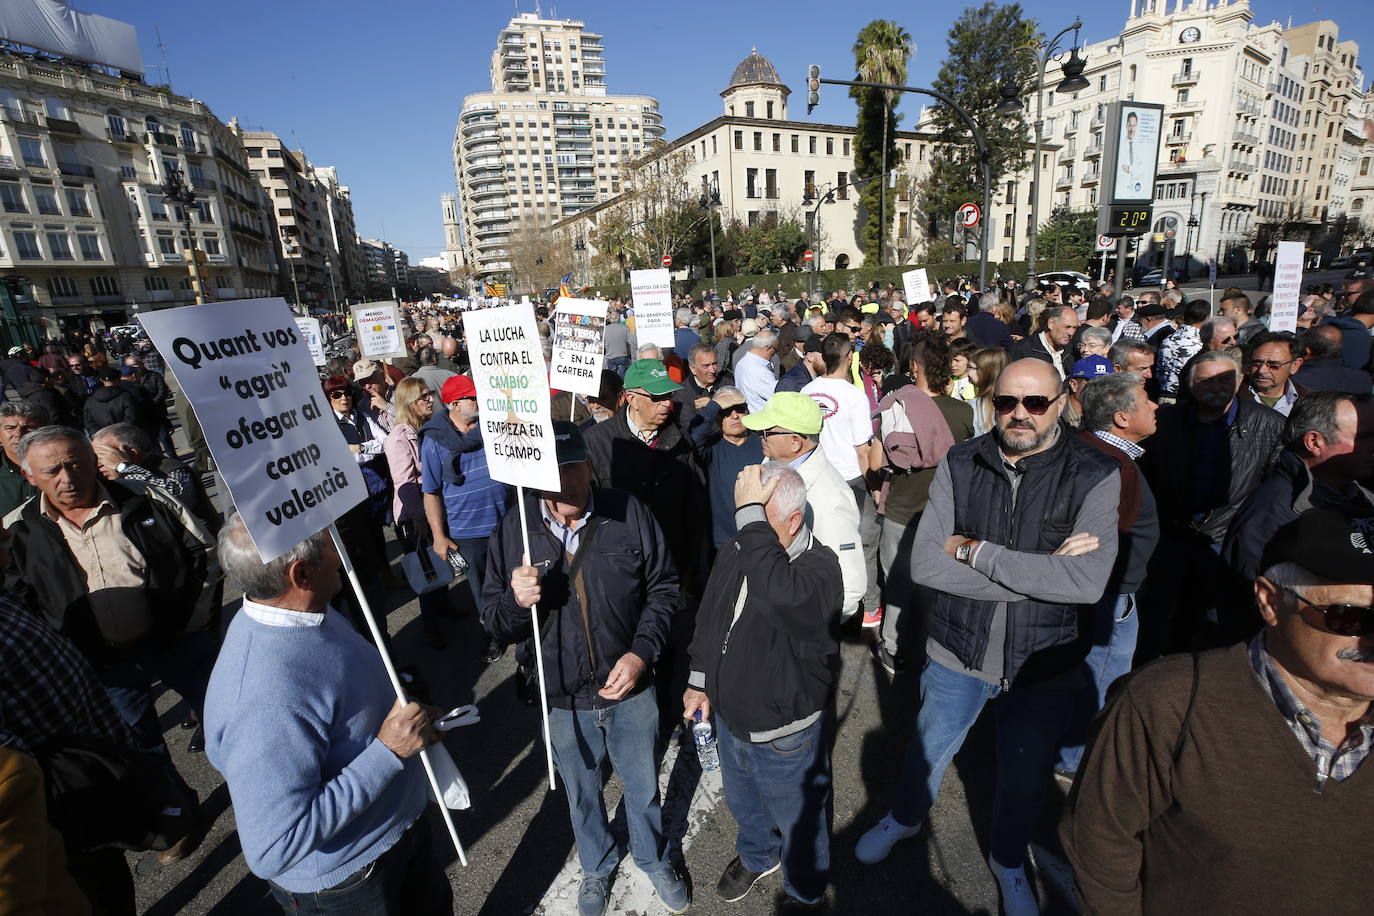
<point x="1030" y="722"/>
<point x="618" y="365"/>
<point x="474" y="553"/>
<point x="582" y="739"/>
<point x="1115" y="627"/>
<point x="779" y="794"/>
<point x="400" y="882"/>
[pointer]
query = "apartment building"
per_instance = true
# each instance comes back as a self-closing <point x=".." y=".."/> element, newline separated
<point x="347" y="273"/>
<point x="547" y="141"/>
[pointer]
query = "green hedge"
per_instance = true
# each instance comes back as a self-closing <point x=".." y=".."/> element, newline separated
<point x="793" y="282"/>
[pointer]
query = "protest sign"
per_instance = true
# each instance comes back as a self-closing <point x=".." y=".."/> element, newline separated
<point x="250" y="380"/>
<point x="314" y="341"/>
<point x="512" y="396"/>
<point x="578" y="354"/>
<point x="1283" y="314"/>
<point x="916" y="286"/>
<point x="377" y="326"/>
<point x="653" y="297"/>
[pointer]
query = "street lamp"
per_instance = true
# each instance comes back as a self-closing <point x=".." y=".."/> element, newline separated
<point x="709" y="200"/>
<point x="334" y="290"/>
<point x="178" y="192"/>
<point x="1073" y="81"/>
<point x="580" y="247"/>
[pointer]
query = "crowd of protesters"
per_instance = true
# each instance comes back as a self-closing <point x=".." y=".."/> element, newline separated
<point x="1136" y="527"/>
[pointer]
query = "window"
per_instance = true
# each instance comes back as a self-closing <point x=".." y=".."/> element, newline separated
<point x="77" y="203"/>
<point x="797" y="148"/>
<point x="167" y="245"/>
<point x="46" y="198"/>
<point x="770" y="184"/>
<point x="26" y="244"/>
<point x="274" y="154"/>
<point x="752" y="217"/>
<point x="830" y="146"/>
<point x="118" y="129"/>
<point x="739" y="139"/>
<point x="211" y="244"/>
<point x="154" y="282"/>
<point x="60" y="246"/>
<point x="842" y="186"/>
<point x="31" y="149"/>
<point x="12" y="198"/>
<point x="188" y="137"/>
<point x="1364" y="166"/>
<point x="751" y="181"/>
<point x="104" y="286"/>
<point x="748" y="109"/>
<point x="1102" y="83"/>
<point x="811" y="145"/>
<point x="777" y="143"/>
<point x="770" y="110"/>
<point x="846" y="146"/>
<point x="90" y="246"/>
<point x="809" y="183"/>
<point x="62" y="287"/>
<point x="758" y="141"/>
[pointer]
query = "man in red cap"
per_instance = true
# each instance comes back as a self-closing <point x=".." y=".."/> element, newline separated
<point x="462" y="503"/>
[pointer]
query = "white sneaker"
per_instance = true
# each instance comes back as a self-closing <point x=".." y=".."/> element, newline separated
<point x="1018" y="896"/>
<point x="878" y="841"/>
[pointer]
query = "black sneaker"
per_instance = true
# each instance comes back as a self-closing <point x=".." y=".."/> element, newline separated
<point x="493" y="652"/>
<point x="892" y="664"/>
<point x="737" y="881"/>
<point x="196" y="745"/>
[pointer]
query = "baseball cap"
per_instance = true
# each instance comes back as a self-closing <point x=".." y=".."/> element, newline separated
<point x="127" y="371"/>
<point x="869" y="308"/>
<point x="364" y="369"/>
<point x="651" y="376"/>
<point x="1326" y="543"/>
<point x="1151" y="310"/>
<point x="814" y="344"/>
<point x="457" y="388"/>
<point x="1091" y="367"/>
<point x="569" y="444"/>
<point x="749" y="327"/>
<point x="789" y="410"/>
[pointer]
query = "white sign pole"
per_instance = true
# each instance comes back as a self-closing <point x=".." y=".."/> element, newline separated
<point x="538" y="642"/>
<point x="396" y="686"/>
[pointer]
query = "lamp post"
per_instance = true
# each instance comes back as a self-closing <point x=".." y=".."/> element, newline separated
<point x="178" y="192"/>
<point x="1073" y="81"/>
<point x="580" y="249"/>
<point x="334" y="290"/>
<point x="709" y="200"/>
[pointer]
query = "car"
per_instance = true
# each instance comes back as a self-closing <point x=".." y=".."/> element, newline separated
<point x="1154" y="277"/>
<point x="1067" y="278"/>
<point x="1341" y="262"/>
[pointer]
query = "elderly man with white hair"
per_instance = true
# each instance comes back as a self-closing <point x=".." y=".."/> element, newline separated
<point x="764" y="658"/>
<point x="319" y="755"/>
<point x="754" y="374"/>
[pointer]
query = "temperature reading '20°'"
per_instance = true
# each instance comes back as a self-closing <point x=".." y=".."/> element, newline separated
<point x="1130" y="219"/>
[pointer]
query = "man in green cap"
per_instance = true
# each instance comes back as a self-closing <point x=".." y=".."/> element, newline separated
<point x="790" y="427"/>
<point x="640" y="450"/>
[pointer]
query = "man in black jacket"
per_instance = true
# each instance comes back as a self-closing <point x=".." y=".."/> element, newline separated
<point x="764" y="660"/>
<point x="601" y="573"/>
<point x="127" y="573"/>
<point x="1324" y="370"/>
<point x="1052" y="344"/>
<point x="38" y="389"/>
<point x="114" y="402"/>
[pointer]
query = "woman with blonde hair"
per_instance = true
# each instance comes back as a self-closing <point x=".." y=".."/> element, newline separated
<point x="983" y="368"/>
<point x="414" y="404"/>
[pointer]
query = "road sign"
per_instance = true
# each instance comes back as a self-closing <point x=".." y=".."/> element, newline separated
<point x="808" y="255"/>
<point x="969" y="215"/>
<point x="667" y="260"/>
<point x="1106" y="243"/>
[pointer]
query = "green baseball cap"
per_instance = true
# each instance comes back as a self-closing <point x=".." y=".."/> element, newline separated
<point x="789" y="410"/>
<point x="649" y="375"/>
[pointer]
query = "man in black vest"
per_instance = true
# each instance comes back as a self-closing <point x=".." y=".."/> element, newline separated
<point x="1016" y="543"/>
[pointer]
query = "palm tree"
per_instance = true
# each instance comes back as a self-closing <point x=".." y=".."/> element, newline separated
<point x="881" y="51"/>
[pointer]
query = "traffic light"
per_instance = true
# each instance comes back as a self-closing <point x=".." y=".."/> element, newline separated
<point x="813" y="87"/>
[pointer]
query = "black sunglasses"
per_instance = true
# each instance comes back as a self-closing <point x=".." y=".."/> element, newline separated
<point x="1035" y="404"/>
<point x="1342" y="619"/>
<point x="338" y="395"/>
<point x="656" y="398"/>
<point x="742" y="409"/>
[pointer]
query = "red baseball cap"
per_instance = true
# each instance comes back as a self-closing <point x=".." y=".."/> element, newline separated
<point x="457" y="388"/>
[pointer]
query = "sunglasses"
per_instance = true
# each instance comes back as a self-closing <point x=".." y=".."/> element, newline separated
<point x="740" y="409"/>
<point x="1272" y="365"/>
<point x="1035" y="404"/>
<point x="765" y="433"/>
<point x="339" y="395"/>
<point x="1342" y="619"/>
<point x="854" y="328"/>
<point x="427" y="396"/>
<point x="656" y="398"/>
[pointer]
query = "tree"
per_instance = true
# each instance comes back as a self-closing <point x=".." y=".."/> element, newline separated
<point x="774" y="243"/>
<point x="880" y="55"/>
<point x="979" y="60"/>
<point x="1067" y="239"/>
<point x="656" y="213"/>
<point x="538" y="258"/>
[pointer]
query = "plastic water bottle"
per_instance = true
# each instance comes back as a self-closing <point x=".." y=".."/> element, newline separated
<point x="704" y="736"/>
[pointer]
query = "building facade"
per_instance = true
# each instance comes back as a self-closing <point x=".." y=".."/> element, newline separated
<point x="348" y="276"/>
<point x="83" y="217"/>
<point x="547" y="141"/>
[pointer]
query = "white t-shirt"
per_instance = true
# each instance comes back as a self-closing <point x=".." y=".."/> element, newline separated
<point x="847" y="422"/>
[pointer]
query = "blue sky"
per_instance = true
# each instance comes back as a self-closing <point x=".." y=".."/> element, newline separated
<point x="375" y="88"/>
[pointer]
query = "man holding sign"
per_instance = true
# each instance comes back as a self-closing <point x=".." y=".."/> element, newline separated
<point x="599" y="569"/>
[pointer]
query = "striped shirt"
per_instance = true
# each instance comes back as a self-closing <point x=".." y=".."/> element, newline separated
<point x="474" y="506"/>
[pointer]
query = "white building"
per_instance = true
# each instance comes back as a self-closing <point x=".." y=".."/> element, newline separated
<point x="547" y="140"/>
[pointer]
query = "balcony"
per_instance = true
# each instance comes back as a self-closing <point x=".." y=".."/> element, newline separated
<point x="1178" y="137"/>
<point x="1063" y="183"/>
<point x="1246" y="138"/>
<point x="481" y="192"/>
<point x="1098" y="122"/>
<point x="1093" y="152"/>
<point x="1067" y="154"/>
<point x="1090" y="178"/>
<point x="205" y="184"/>
<point x="486" y="112"/>
<point x="1191" y="106"/>
<point x="63" y="126"/>
<point x="191" y="146"/>
<point x="129" y="173"/>
<point x="1070" y="129"/>
<point x="1240" y="166"/>
<point x="1184" y="78"/>
<point x="513" y="71"/>
<point x="477" y="137"/>
<point x="76" y="169"/>
<point x="479" y="160"/>
<point x="161" y="139"/>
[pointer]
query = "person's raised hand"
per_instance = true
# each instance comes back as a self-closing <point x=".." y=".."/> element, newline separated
<point x="750" y="488"/>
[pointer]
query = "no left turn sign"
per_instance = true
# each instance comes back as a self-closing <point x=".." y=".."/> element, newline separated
<point x="969" y="215"/>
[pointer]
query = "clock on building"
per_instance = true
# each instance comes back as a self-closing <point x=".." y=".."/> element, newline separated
<point x="1189" y="35"/>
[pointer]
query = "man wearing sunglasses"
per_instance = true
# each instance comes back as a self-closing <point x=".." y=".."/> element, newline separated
<point x="1272" y="359"/>
<point x="1164" y="778"/>
<point x="1018" y="535"/>
<point x="1238" y="308"/>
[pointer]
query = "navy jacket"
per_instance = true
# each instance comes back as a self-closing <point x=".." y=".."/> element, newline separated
<point x="1354" y="341"/>
<point x="629" y="584"/>
<point x="795" y="379"/>
<point x="1332" y="374"/>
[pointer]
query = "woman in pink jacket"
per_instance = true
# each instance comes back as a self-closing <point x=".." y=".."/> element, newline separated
<point x="414" y="406"/>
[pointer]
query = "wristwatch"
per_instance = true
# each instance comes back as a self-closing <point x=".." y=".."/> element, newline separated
<point x="121" y="467"/>
<point x="964" y="552"/>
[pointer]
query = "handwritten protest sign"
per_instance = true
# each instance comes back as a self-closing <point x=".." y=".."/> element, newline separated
<point x="512" y="396"/>
<point x="378" y="329"/>
<point x="250" y="380"/>
<point x="578" y="353"/>
<point x="314" y="341"/>
<point x="916" y="285"/>
<point x="653" y="297"/>
<point x="1283" y="315"/>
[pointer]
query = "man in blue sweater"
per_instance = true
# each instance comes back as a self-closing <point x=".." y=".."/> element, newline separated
<point x="319" y="755"/>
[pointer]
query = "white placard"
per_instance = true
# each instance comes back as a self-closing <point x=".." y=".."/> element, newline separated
<point x="251" y="382"/>
<point x="314" y="340"/>
<point x="916" y="285"/>
<point x="1283" y="305"/>
<point x="513" y="396"/>
<point x="578" y="351"/>
<point x="377" y="326"/>
<point x="652" y="292"/>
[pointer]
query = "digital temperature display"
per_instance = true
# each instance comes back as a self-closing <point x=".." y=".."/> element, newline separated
<point x="1127" y="221"/>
